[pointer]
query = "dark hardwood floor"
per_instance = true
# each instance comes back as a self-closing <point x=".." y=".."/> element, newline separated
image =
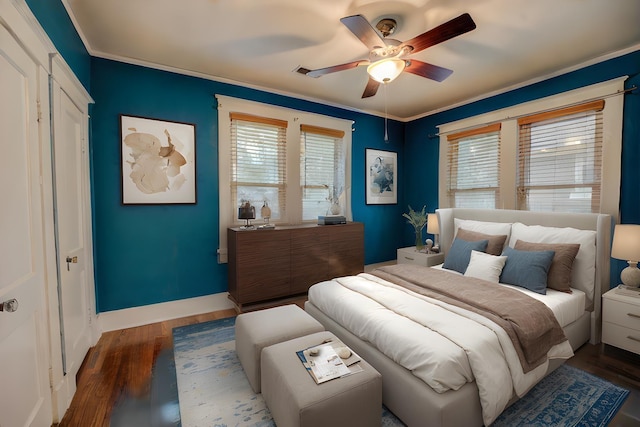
<point x="117" y="373"/>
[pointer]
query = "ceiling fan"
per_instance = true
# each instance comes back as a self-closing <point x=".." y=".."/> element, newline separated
<point x="389" y="57"/>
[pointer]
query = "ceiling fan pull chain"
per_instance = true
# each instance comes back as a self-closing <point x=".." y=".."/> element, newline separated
<point x="386" y="134"/>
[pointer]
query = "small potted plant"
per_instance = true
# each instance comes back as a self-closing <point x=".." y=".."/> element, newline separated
<point x="419" y="221"/>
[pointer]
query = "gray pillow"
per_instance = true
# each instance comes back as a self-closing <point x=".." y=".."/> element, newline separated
<point x="527" y="269"/>
<point x="495" y="245"/>
<point x="458" y="257"/>
<point x="559" y="277"/>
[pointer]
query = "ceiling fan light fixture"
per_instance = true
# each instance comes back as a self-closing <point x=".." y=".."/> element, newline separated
<point x="386" y="70"/>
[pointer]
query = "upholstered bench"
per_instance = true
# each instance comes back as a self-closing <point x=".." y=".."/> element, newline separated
<point x="294" y="398"/>
<point x="259" y="329"/>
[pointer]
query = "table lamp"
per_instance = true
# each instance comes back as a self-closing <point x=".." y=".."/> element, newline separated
<point x="626" y="246"/>
<point x="433" y="228"/>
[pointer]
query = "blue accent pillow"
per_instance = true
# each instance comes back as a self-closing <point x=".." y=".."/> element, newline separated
<point x="527" y="269"/>
<point x="458" y="257"/>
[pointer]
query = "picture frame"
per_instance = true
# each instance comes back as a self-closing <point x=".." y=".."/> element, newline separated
<point x="381" y="169"/>
<point x="158" y="161"/>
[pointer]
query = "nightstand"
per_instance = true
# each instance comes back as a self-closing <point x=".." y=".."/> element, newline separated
<point x="621" y="320"/>
<point x="411" y="256"/>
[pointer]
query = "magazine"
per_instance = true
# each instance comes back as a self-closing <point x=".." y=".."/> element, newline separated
<point x="324" y="364"/>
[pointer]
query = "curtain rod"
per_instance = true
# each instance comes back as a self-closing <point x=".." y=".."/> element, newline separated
<point x="620" y="92"/>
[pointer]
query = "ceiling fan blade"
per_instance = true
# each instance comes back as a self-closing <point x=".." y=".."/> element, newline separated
<point x="328" y="70"/>
<point x="429" y="71"/>
<point x="441" y="33"/>
<point x="371" y="89"/>
<point x="359" y="26"/>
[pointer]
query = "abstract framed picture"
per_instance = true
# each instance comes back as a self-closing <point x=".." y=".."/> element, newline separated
<point x="381" y="168"/>
<point x="158" y="161"/>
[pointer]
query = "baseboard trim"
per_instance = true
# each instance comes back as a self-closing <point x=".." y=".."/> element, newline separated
<point x="144" y="315"/>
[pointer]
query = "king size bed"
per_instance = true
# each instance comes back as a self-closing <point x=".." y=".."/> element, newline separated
<point x="454" y="346"/>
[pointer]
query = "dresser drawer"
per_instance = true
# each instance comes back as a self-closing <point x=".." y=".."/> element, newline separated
<point x="621" y="337"/>
<point x="621" y="313"/>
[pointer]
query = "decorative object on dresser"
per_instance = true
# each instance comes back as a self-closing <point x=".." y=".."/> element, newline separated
<point x="434" y="228"/>
<point x="621" y="320"/>
<point x="246" y="212"/>
<point x="274" y="264"/>
<point x="418" y="220"/>
<point x="626" y="246"/>
<point x="265" y="213"/>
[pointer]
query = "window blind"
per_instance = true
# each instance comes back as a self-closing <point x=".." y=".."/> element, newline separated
<point x="560" y="159"/>
<point x="322" y="170"/>
<point x="258" y="163"/>
<point x="473" y="172"/>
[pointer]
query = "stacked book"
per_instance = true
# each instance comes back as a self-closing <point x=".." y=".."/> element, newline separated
<point x="331" y="220"/>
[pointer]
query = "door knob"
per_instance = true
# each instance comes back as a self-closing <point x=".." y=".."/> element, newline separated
<point x="70" y="260"/>
<point x="9" y="306"/>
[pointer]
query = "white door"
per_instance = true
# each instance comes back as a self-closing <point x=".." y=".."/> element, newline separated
<point x="25" y="398"/>
<point x="73" y="258"/>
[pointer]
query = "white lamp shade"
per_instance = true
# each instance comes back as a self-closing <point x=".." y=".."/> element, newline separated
<point x="386" y="70"/>
<point x="626" y="242"/>
<point x="432" y="224"/>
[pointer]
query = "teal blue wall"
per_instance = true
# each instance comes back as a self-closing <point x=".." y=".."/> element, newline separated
<point x="56" y="22"/>
<point x="150" y="254"/>
<point x="421" y="148"/>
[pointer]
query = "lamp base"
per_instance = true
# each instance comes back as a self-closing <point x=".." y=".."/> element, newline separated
<point x="630" y="276"/>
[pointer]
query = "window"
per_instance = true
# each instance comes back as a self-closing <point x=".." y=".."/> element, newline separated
<point x="322" y="169"/>
<point x="560" y="159"/>
<point x="297" y="162"/>
<point x="258" y="163"/>
<point x="545" y="155"/>
<point x="473" y="158"/>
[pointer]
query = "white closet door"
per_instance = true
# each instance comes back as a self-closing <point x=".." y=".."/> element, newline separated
<point x="25" y="398"/>
<point x="74" y="260"/>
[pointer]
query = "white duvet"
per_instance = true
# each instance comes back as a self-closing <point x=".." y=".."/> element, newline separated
<point x="443" y="345"/>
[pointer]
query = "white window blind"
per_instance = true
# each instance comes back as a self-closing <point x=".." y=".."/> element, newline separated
<point x="322" y="171"/>
<point x="473" y="168"/>
<point x="258" y="163"/>
<point x="560" y="159"/>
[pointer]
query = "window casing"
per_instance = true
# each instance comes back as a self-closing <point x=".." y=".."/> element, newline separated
<point x="279" y="155"/>
<point x="530" y="177"/>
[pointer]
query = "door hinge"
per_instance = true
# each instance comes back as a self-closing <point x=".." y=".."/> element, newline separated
<point x="39" y="110"/>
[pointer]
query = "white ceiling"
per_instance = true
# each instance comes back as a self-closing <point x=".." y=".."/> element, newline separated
<point x="260" y="43"/>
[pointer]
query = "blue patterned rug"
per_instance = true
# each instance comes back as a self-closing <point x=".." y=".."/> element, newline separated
<point x="214" y="391"/>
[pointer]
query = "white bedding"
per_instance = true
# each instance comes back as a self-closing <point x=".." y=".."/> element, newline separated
<point x="443" y="345"/>
<point x="567" y="307"/>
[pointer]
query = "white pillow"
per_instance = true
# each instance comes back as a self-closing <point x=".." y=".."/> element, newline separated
<point x="493" y="228"/>
<point x="485" y="266"/>
<point x="584" y="266"/>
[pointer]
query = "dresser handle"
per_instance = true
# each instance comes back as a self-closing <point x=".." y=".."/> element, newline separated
<point x="637" y="316"/>
<point x="633" y="338"/>
<point x="411" y="259"/>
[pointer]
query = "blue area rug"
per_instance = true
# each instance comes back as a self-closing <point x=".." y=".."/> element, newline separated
<point x="214" y="391"/>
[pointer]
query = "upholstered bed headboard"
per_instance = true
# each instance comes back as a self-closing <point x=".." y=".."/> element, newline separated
<point x="600" y="223"/>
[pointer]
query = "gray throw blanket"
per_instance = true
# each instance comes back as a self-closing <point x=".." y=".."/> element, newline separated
<point x="531" y="325"/>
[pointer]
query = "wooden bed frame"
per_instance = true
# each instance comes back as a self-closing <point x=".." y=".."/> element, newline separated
<point x="412" y="400"/>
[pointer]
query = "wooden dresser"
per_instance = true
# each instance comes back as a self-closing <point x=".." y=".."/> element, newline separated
<point x="285" y="261"/>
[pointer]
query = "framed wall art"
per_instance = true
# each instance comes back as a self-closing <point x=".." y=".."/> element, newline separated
<point x="158" y="161"/>
<point x="381" y="168"/>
